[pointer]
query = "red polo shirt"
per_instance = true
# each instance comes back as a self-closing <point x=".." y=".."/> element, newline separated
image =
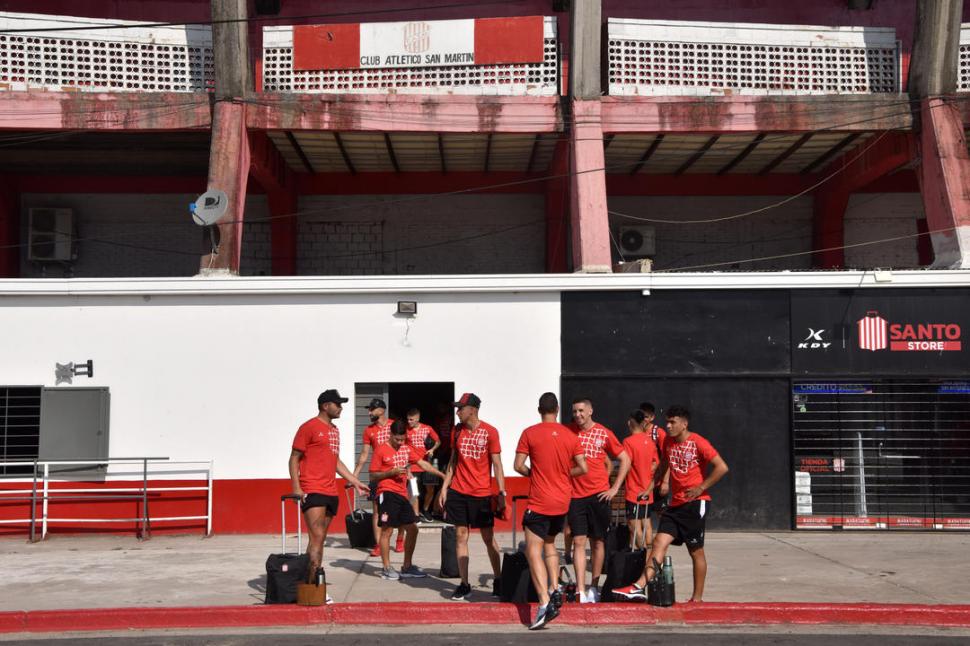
<point x="597" y="441"/>
<point x="386" y="458"/>
<point x="319" y="442"/>
<point x="551" y="448"/>
<point x="416" y="437"/>
<point x="688" y="464"/>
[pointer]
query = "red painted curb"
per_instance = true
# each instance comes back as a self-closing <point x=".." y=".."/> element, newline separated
<point x="481" y="613"/>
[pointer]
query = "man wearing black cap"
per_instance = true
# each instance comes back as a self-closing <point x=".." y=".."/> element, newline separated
<point x="377" y="433"/>
<point x="466" y="493"/>
<point x="314" y="461"/>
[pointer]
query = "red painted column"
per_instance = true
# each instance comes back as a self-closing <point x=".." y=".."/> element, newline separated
<point x="228" y="172"/>
<point x="944" y="174"/>
<point x="587" y="194"/>
<point x="828" y="233"/>
<point x="9" y="231"/>
<point x="282" y="210"/>
<point x="557" y="210"/>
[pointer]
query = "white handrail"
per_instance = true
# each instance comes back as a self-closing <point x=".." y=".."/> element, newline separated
<point x="114" y="493"/>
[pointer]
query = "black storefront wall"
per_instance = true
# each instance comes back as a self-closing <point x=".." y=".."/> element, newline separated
<point x="731" y="357"/>
<point x="725" y="354"/>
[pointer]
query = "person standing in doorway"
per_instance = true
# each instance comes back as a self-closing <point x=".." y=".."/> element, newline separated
<point x="376" y="434"/>
<point x="589" y="511"/>
<point x="466" y="493"/>
<point x="695" y="466"/>
<point x="555" y="457"/>
<point x="425" y="440"/>
<point x="390" y="469"/>
<point x="313" y="466"/>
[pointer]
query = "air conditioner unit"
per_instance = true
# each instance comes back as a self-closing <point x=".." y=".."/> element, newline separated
<point x="51" y="235"/>
<point x="638" y="240"/>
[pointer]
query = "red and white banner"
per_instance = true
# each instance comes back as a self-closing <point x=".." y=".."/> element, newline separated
<point x="479" y="41"/>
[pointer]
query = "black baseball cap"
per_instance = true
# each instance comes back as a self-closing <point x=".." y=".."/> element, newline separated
<point x="331" y="396"/>
<point x="468" y="399"/>
<point x="376" y="403"/>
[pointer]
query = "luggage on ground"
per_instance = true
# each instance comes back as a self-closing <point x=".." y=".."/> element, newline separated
<point x="623" y="566"/>
<point x="286" y="569"/>
<point x="360" y="528"/>
<point x="516" y="581"/>
<point x="449" y="553"/>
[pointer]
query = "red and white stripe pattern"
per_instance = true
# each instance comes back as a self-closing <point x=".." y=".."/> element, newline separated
<point x="478" y="41"/>
<point x="872" y="332"/>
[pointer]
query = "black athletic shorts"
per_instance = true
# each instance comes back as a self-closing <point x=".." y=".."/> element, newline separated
<point x="312" y="500"/>
<point x="543" y="525"/>
<point x="636" y="510"/>
<point x="469" y="511"/>
<point x="589" y="516"/>
<point x="394" y="510"/>
<point x="427" y="478"/>
<point x="685" y="523"/>
<point x="659" y="502"/>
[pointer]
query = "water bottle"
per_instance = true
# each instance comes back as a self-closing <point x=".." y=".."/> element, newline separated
<point x="668" y="570"/>
<point x="321" y="578"/>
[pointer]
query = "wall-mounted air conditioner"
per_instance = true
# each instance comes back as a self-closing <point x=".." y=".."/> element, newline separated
<point x="639" y="240"/>
<point x="50" y="235"/>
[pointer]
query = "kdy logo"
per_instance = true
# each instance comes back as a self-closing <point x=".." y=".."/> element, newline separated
<point x="814" y="341"/>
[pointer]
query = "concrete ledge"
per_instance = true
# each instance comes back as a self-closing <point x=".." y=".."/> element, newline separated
<point x="483" y="613"/>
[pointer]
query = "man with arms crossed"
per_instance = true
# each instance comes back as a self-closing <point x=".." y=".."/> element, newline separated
<point x="390" y="469"/>
<point x="314" y="461"/>
<point x="466" y="494"/>
<point x="376" y="434"/>
<point x="555" y="457"/>
<point x="589" y="511"/>
<point x="687" y="456"/>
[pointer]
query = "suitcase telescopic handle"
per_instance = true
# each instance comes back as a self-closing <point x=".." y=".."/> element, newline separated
<point x="299" y="529"/>
<point x="515" y="499"/>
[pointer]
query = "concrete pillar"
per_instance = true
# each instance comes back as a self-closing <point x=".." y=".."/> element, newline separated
<point x="587" y="190"/>
<point x="283" y="227"/>
<point x="944" y="175"/>
<point x="228" y="172"/>
<point x="828" y="233"/>
<point x="557" y="211"/>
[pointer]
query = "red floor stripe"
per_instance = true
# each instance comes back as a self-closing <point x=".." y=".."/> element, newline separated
<point x="480" y="613"/>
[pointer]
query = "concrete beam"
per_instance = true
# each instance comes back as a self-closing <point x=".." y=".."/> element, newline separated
<point x="163" y="111"/>
<point x="405" y="113"/>
<point x="587" y="191"/>
<point x="754" y="114"/>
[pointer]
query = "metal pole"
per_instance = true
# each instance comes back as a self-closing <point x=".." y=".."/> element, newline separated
<point x="47" y="473"/>
<point x="33" y="505"/>
<point x="144" y="500"/>
<point x="208" y="509"/>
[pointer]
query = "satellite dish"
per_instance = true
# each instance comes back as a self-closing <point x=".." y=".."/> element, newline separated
<point x="209" y="207"/>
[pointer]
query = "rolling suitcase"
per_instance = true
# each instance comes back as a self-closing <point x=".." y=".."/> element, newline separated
<point x="286" y="569"/>
<point x="449" y="553"/>
<point x="623" y="567"/>
<point x="360" y="528"/>
<point x="516" y="581"/>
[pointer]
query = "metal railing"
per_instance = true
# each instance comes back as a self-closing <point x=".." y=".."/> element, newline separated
<point x="41" y="492"/>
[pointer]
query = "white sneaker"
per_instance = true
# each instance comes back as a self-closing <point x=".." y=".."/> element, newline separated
<point x="593" y="594"/>
<point x="329" y="599"/>
<point x="584" y="597"/>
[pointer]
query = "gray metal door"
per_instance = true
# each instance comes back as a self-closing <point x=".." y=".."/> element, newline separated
<point x="73" y="423"/>
<point x="363" y="393"/>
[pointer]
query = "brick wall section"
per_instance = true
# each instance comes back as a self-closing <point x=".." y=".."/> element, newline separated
<point x="878" y="216"/>
<point x="459" y="234"/>
<point x="140" y="235"/>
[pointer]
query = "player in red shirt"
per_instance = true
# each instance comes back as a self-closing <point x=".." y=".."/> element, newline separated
<point x="659" y="435"/>
<point x="555" y="457"/>
<point x="687" y="456"/>
<point x="314" y="463"/>
<point x="374" y="435"/>
<point x="466" y="493"/>
<point x="589" y="510"/>
<point x="642" y="449"/>
<point x="418" y="435"/>
<point x="390" y="469"/>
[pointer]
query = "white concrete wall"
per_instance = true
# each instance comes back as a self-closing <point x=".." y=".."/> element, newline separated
<point x="141" y="235"/>
<point x="231" y="377"/>
<point x="456" y="234"/>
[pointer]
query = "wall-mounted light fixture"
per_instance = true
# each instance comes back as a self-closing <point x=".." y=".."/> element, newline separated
<point x="407" y="308"/>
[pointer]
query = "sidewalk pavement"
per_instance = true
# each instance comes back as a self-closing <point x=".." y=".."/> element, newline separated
<point x="810" y="570"/>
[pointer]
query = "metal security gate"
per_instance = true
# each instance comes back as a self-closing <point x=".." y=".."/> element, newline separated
<point x="882" y="454"/>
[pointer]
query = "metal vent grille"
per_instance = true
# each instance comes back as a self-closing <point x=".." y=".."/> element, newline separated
<point x="132" y="59"/>
<point x="19" y="427"/>
<point x="683" y="59"/>
<point x="963" y="71"/>
<point x="534" y="79"/>
<point x="888" y="454"/>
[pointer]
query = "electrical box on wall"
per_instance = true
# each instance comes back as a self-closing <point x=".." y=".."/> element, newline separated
<point x="638" y="241"/>
<point x="50" y="235"/>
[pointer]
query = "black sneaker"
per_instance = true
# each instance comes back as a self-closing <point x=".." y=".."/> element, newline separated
<point x="555" y="601"/>
<point x="462" y="591"/>
<point x="497" y="588"/>
<point x="552" y="610"/>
